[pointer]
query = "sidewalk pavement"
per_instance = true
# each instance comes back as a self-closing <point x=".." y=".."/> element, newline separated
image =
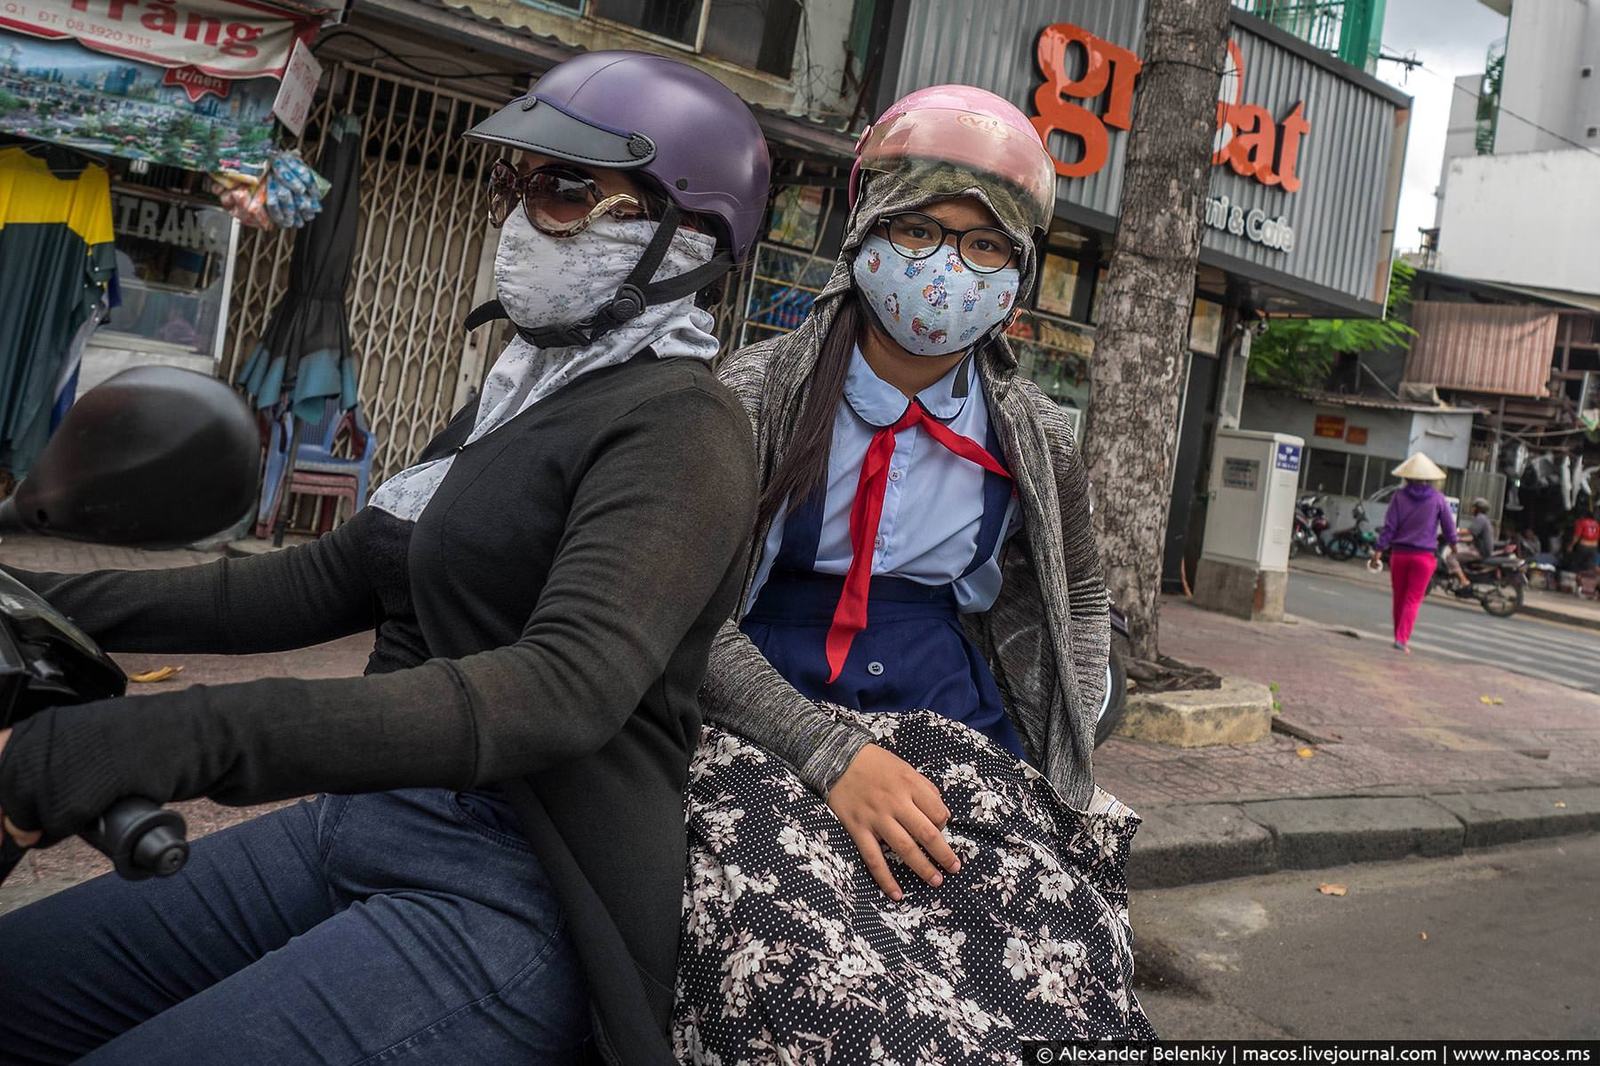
<point x="1389" y="755"/>
<point x="1540" y="603"/>
<point x="1393" y="755"/>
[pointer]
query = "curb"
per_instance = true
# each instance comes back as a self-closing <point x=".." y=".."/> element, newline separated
<point x="1188" y="844"/>
<point x="1545" y="614"/>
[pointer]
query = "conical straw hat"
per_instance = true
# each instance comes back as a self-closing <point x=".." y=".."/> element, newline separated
<point x="1419" y="468"/>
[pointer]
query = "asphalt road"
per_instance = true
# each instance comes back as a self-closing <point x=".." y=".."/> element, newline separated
<point x="1512" y="935"/>
<point x="1565" y="654"/>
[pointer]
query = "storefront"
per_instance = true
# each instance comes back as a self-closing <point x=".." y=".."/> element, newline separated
<point x="175" y="255"/>
<point x="134" y="104"/>
<point x="1352" y="444"/>
<point x="1299" y="215"/>
<point x="425" y="250"/>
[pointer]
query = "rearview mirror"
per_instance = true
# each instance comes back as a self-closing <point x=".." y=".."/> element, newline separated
<point x="155" y="457"/>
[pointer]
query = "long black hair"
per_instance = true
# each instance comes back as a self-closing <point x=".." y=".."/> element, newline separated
<point x="805" y="465"/>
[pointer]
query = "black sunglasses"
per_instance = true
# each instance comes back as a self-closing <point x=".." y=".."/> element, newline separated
<point x="983" y="249"/>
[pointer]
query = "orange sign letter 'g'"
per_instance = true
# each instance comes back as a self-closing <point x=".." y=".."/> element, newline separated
<point x="1248" y="139"/>
<point x="1106" y="64"/>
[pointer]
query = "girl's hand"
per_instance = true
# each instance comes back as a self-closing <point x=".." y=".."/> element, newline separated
<point x="21" y="836"/>
<point x="882" y="800"/>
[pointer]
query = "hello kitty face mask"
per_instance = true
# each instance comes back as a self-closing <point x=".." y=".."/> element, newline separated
<point x="934" y="306"/>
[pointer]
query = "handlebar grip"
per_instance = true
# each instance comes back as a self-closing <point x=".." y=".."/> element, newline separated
<point x="141" y="839"/>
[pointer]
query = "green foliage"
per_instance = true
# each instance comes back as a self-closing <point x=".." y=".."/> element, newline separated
<point x="1299" y="353"/>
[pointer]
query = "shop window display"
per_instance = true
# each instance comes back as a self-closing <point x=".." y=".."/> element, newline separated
<point x="171" y="258"/>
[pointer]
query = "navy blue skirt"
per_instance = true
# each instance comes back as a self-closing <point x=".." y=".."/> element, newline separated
<point x="913" y="654"/>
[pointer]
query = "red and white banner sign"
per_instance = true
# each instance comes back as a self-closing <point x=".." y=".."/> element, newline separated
<point x="196" y="83"/>
<point x="222" y="38"/>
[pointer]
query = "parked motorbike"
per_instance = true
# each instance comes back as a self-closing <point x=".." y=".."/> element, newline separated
<point x="1310" y="524"/>
<point x="1357" y="541"/>
<point x="154" y="457"/>
<point x="1115" y="701"/>
<point x="1499" y="583"/>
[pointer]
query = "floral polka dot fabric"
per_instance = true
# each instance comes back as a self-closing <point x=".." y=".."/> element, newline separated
<point x="791" y="953"/>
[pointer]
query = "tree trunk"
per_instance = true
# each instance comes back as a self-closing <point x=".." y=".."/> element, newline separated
<point x="1141" y="351"/>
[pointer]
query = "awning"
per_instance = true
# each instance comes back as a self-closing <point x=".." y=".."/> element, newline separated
<point x="503" y="27"/>
<point x="1494" y="348"/>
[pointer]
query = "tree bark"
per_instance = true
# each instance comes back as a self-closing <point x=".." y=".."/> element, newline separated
<point x="1141" y="351"/>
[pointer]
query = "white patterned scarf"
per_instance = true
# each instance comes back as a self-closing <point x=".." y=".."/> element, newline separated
<point x="544" y="280"/>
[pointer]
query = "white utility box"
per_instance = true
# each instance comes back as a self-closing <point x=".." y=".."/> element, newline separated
<point x="1254" y="478"/>
<point x="1249" y="523"/>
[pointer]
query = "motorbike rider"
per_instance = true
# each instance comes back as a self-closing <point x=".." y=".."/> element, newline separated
<point x="1474" y="540"/>
<point x="497" y="877"/>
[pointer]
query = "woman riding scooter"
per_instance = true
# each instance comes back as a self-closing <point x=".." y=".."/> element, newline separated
<point x="502" y="859"/>
<point x="915" y="670"/>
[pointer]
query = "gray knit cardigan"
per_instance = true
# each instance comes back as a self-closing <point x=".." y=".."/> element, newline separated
<point x="1052" y="604"/>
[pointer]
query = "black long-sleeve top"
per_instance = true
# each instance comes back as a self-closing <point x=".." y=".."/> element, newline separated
<point x="545" y="624"/>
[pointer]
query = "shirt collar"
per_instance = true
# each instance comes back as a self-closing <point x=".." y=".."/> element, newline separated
<point x="881" y="404"/>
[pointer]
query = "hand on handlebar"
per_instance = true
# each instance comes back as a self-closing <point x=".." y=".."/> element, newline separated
<point x="141" y="838"/>
<point x="23" y="837"/>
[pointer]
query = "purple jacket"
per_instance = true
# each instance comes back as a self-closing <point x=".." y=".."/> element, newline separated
<point x="1417" y="513"/>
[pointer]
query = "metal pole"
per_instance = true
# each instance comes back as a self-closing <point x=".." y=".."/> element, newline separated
<point x="280" y="520"/>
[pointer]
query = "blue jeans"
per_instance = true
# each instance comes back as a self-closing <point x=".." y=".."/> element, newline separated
<point x="397" y="927"/>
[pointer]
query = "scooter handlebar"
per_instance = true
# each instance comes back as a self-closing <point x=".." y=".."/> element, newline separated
<point x="141" y="839"/>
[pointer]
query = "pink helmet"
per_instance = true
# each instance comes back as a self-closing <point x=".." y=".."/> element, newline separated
<point x="969" y="127"/>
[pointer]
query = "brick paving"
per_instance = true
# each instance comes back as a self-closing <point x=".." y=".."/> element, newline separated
<point x="1398" y="723"/>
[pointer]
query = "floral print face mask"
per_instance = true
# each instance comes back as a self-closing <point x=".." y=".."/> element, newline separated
<point x="934" y="306"/>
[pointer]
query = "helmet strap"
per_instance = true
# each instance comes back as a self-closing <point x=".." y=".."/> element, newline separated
<point x="636" y="293"/>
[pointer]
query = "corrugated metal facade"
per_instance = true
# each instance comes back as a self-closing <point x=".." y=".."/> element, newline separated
<point x="1341" y="235"/>
<point x="992" y="44"/>
<point x="1482" y="347"/>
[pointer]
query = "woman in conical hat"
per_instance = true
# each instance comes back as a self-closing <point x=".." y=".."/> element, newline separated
<point x="1418" y="515"/>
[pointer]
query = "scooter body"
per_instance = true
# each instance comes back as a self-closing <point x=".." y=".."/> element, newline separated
<point x="1310" y="526"/>
<point x="1358" y="541"/>
<point x="1499" y="583"/>
<point x="1115" y="701"/>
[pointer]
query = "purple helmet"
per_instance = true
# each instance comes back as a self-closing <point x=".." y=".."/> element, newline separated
<point x="635" y="111"/>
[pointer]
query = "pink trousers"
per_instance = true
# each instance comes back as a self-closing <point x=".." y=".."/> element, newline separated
<point x="1409" y="574"/>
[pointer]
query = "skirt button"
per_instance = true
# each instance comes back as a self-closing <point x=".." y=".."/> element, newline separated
<point x="875" y="668"/>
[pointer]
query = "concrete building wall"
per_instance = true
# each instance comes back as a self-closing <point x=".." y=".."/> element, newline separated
<point x="1461" y="136"/>
<point x="1391" y="435"/>
<point x="813" y="89"/>
<point x="1525" y="219"/>
<point x="1548" y="46"/>
<point x="1388" y="432"/>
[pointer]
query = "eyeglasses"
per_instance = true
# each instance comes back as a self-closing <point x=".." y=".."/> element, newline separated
<point x="918" y="236"/>
<point x="558" y="200"/>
